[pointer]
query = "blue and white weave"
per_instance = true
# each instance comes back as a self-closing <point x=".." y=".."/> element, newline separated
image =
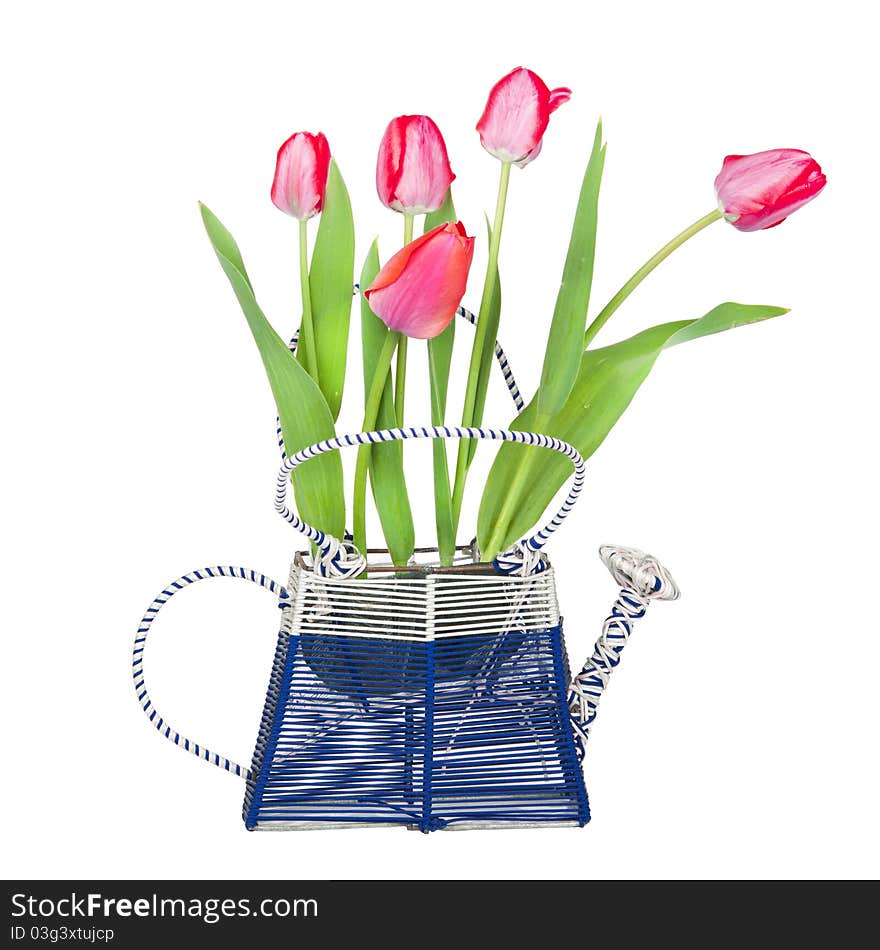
<point x="337" y="558"/>
<point x="435" y="701"/>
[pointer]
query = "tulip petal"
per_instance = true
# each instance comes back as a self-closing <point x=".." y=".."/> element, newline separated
<point x="759" y="191"/>
<point x="395" y="265"/>
<point x="516" y="115"/>
<point x="558" y="97"/>
<point x="389" y="163"/>
<point x="301" y="170"/>
<point x="419" y="289"/>
<point x="412" y="171"/>
<point x="535" y="152"/>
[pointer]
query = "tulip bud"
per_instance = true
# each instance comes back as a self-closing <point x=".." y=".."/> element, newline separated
<point x="301" y="175"/>
<point x="418" y="291"/>
<point x="516" y="116"/>
<point x="759" y="191"/>
<point x="412" y="171"/>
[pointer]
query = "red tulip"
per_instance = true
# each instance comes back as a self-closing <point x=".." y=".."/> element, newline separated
<point x="516" y="116"/>
<point x="412" y="172"/>
<point x="420" y="288"/>
<point x="301" y="175"/>
<point x="759" y="191"/>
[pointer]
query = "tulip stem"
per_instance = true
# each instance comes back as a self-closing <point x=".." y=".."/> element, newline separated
<point x="400" y="371"/>
<point x="307" y="329"/>
<point x="400" y="381"/>
<point x="480" y="350"/>
<point x="645" y="269"/>
<point x="514" y="490"/>
<point x="371" y="411"/>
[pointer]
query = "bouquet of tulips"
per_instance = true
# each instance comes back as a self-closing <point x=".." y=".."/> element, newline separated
<point x="416" y="293"/>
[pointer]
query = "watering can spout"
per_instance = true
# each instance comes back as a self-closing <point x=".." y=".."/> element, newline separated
<point x="642" y="578"/>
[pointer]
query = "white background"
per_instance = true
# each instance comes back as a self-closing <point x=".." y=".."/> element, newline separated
<point x="739" y="736"/>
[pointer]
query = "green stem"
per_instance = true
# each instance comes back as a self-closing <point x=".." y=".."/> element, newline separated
<point x="371" y="411"/>
<point x="307" y="330"/>
<point x="477" y="354"/>
<point x="400" y="381"/>
<point x="400" y="371"/>
<point x="646" y="269"/>
<point x="514" y="489"/>
<point x="512" y="501"/>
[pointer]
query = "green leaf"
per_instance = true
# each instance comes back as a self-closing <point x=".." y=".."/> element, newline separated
<point x="524" y="479"/>
<point x="443" y="215"/>
<point x="331" y="280"/>
<point x="565" y="341"/>
<point x="386" y="461"/>
<point x="305" y="417"/>
<point x="439" y="363"/>
<point x="487" y="363"/>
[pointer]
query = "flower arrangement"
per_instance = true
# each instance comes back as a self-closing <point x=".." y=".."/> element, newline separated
<point x="415" y="294"/>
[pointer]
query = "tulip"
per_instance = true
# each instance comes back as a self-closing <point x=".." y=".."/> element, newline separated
<point x="516" y="116"/>
<point x="298" y="189"/>
<point x="759" y="191"/>
<point x="413" y="177"/>
<point x="418" y="291"/>
<point x="301" y="175"/>
<point x="512" y="129"/>
<point x="412" y="171"/>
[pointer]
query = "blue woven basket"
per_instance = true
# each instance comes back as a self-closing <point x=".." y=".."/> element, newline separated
<point x="431" y="698"/>
<point x="443" y="705"/>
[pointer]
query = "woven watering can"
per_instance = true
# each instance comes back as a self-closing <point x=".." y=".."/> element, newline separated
<point x="429" y="697"/>
<point x="431" y="688"/>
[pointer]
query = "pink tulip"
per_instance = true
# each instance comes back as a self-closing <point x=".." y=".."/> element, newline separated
<point x="418" y="291"/>
<point x="516" y="116"/>
<point x="412" y="172"/>
<point x="301" y="175"/>
<point x="759" y="191"/>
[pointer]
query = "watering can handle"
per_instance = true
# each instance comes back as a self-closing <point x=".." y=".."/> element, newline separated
<point x="642" y="579"/>
<point x="341" y="559"/>
<point x="140" y="643"/>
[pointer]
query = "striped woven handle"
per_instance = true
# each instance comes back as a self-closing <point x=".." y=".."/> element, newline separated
<point x="140" y="646"/>
<point x="642" y="578"/>
<point x="342" y="559"/>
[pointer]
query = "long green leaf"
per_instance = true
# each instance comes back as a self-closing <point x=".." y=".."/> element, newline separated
<point x="439" y="363"/>
<point x="523" y="479"/>
<point x="386" y="461"/>
<point x="487" y="364"/>
<point x="305" y="417"/>
<point x="331" y="279"/>
<point x="562" y="356"/>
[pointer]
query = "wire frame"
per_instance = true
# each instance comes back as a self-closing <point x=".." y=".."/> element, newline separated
<point x="432" y="698"/>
